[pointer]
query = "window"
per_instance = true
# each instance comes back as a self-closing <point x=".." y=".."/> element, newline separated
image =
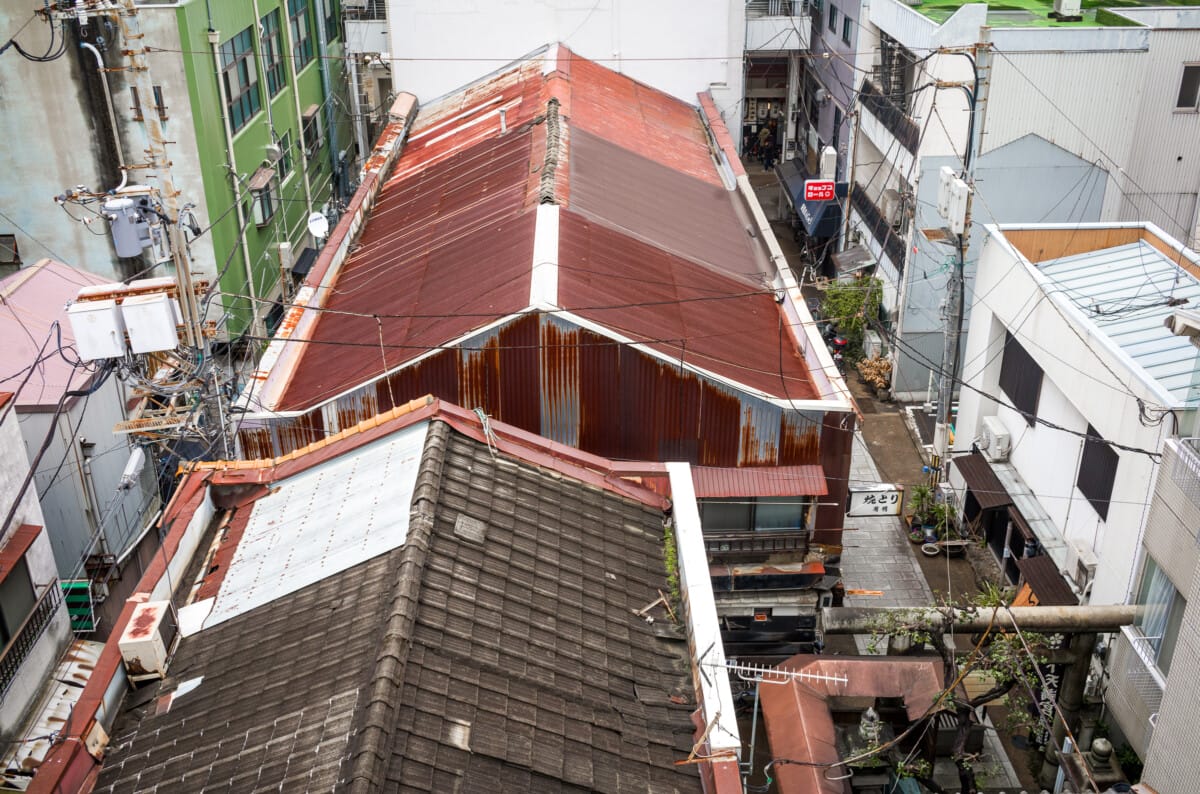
<point x="17" y="599"/>
<point x="160" y="107"/>
<point x="1161" y="614"/>
<point x="312" y="130"/>
<point x="302" y="45"/>
<point x="9" y="253"/>
<point x="331" y="17"/>
<point x="740" y="514"/>
<point x="262" y="191"/>
<point x="1020" y="378"/>
<point x="833" y="17"/>
<point x="1097" y="472"/>
<point x="240" y="79"/>
<point x="847" y="29"/>
<point x="136" y="107"/>
<point x="272" y="53"/>
<point x="1189" y="88"/>
<point x="285" y="160"/>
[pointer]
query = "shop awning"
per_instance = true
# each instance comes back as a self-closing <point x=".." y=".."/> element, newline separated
<point x="1042" y="576"/>
<point x="982" y="481"/>
<point x="852" y="260"/>
<point x="304" y="262"/>
<point x="820" y="218"/>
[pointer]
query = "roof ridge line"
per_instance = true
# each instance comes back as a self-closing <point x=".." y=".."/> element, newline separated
<point x="375" y="727"/>
<point x="554" y="142"/>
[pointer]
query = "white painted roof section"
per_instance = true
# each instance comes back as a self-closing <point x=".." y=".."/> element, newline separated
<point x="1123" y="293"/>
<point x="323" y="521"/>
<point x="543" y="285"/>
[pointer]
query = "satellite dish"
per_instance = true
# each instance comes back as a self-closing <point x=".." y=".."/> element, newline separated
<point x="318" y="226"/>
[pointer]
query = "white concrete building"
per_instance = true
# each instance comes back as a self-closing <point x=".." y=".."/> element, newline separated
<point x="93" y="524"/>
<point x="1154" y="665"/>
<point x="747" y="54"/>
<point x="1102" y="114"/>
<point x="1071" y="386"/>
<point x="34" y="626"/>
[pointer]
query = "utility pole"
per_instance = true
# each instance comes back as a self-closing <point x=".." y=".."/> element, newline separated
<point x="949" y="375"/>
<point x="162" y="201"/>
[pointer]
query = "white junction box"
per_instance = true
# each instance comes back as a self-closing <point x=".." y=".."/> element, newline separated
<point x="97" y="328"/>
<point x="150" y="320"/>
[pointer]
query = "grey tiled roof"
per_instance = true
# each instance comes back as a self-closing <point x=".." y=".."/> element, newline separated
<point x="496" y="651"/>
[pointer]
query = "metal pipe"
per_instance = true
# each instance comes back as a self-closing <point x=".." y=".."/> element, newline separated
<point x="214" y="39"/>
<point x="327" y="92"/>
<point x="864" y="620"/>
<point x="112" y="117"/>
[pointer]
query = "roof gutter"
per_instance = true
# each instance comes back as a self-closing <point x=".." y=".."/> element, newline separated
<point x="269" y="381"/>
<point x="826" y="378"/>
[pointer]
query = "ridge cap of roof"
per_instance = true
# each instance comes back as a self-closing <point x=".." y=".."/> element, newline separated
<point x="375" y="725"/>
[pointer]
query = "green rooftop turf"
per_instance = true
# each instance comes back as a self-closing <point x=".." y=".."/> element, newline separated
<point x="1035" y="13"/>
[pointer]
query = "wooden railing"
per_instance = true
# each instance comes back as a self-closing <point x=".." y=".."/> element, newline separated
<point x="754" y="545"/>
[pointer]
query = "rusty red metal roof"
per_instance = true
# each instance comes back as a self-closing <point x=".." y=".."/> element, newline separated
<point x="686" y="312"/>
<point x="448" y="249"/>
<point x="712" y="482"/>
<point x="798" y="719"/>
<point x="649" y="244"/>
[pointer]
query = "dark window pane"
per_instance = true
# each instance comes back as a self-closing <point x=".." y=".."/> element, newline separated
<point x="1020" y="378"/>
<point x="1097" y="472"/>
<point x="1189" y="88"/>
<point x="725" y="514"/>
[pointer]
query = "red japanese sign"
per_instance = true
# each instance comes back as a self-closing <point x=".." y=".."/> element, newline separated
<point x="819" y="190"/>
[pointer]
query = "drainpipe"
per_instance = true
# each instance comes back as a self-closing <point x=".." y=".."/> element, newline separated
<point x="360" y="123"/>
<point x="326" y="94"/>
<point x="291" y="62"/>
<point x="256" y="328"/>
<point x="112" y="117"/>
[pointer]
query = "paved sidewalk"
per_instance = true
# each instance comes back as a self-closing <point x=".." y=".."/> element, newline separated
<point x="878" y="555"/>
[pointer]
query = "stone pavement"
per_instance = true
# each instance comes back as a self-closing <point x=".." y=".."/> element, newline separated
<point x="877" y="555"/>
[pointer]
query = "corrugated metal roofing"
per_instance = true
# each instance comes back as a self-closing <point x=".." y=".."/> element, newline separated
<point x="982" y="481"/>
<point x="31" y="300"/>
<point x="1123" y="293"/>
<point x="323" y="521"/>
<point x="1041" y="573"/>
<point x="713" y="482"/>
<point x="689" y="313"/>
<point x="668" y="208"/>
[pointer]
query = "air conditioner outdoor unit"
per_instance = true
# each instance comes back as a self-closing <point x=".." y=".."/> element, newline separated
<point x="147" y="639"/>
<point x="1081" y="567"/>
<point x="995" y="439"/>
<point x="355" y="4"/>
<point x="1067" y="8"/>
<point x="828" y="163"/>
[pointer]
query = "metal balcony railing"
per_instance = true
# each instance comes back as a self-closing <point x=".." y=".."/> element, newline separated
<point x="1185" y="471"/>
<point x="733" y="546"/>
<point x="873" y="219"/>
<point x="774" y="8"/>
<point x="891" y="115"/>
<point x="27" y="636"/>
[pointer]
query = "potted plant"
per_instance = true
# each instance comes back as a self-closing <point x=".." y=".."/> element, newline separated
<point x="920" y="503"/>
<point x="945" y="524"/>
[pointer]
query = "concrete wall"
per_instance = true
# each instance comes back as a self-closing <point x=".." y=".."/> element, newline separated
<point x="1029" y="180"/>
<point x="1076" y="391"/>
<point x="1173" y="758"/>
<point x="681" y="47"/>
<point x="69" y="517"/>
<point x="40" y="559"/>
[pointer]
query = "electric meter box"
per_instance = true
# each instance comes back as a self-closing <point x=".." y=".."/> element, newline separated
<point x="150" y="320"/>
<point x="97" y="328"/>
